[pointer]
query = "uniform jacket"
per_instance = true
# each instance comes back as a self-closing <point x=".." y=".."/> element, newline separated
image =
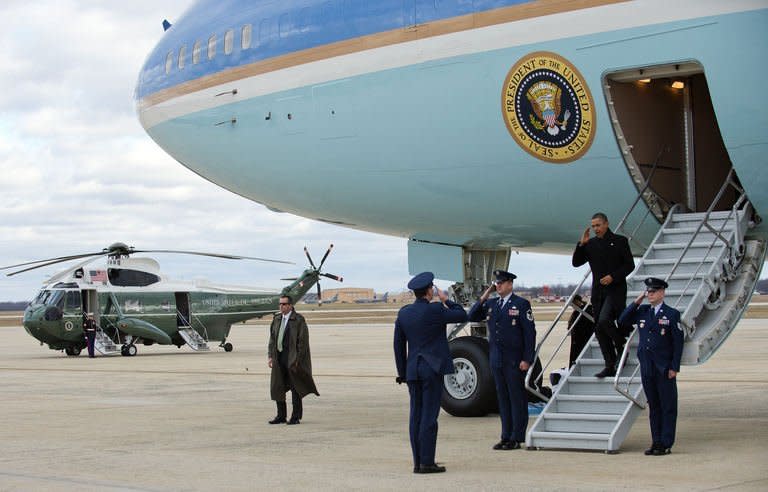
<point x="609" y="255"/>
<point x="422" y="326"/>
<point x="661" y="338"/>
<point x="299" y="358"/>
<point x="511" y="330"/>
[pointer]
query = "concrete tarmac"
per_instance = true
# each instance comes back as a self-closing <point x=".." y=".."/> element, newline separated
<point x="171" y="419"/>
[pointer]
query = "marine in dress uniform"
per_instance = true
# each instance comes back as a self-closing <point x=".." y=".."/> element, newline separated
<point x="89" y="326"/>
<point x="610" y="260"/>
<point x="659" y="351"/>
<point x="422" y="358"/>
<point x="512" y="346"/>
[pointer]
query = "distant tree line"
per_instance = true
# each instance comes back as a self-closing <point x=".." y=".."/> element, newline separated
<point x="13" y="306"/>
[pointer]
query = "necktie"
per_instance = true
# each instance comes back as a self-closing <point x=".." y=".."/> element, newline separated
<point x="281" y="333"/>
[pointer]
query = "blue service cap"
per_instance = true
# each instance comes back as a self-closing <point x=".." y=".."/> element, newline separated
<point x="503" y="276"/>
<point x="421" y="281"/>
<point x="655" y="283"/>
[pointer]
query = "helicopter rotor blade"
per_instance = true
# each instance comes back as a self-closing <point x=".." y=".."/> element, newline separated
<point x="290" y="279"/>
<point x="52" y="263"/>
<point x="325" y="256"/>
<point x="333" y="277"/>
<point x="60" y="258"/>
<point x="319" y="294"/>
<point x="312" y="263"/>
<point x="214" y="255"/>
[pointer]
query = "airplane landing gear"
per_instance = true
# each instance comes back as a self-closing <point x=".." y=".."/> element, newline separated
<point x="72" y="351"/>
<point x="227" y="347"/>
<point x="128" y="350"/>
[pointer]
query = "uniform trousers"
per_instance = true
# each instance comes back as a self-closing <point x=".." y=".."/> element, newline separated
<point x="661" y="393"/>
<point x="425" y="407"/>
<point x="513" y="402"/>
<point x="611" y="340"/>
<point x="90" y="338"/>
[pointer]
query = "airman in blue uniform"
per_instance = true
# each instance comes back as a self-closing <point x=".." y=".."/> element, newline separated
<point x="512" y="346"/>
<point x="659" y="351"/>
<point x="422" y="358"/>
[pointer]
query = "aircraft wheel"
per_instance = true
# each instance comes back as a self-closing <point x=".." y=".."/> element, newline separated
<point x="470" y="391"/>
<point x="131" y="350"/>
<point x="124" y="350"/>
<point x="72" y="351"/>
<point x="227" y="347"/>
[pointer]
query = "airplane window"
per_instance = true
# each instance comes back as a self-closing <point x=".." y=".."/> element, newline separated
<point x="131" y="278"/>
<point x="229" y="38"/>
<point x="211" y="47"/>
<point x="245" y="37"/>
<point x="182" y="56"/>
<point x="196" y="53"/>
<point x="169" y="62"/>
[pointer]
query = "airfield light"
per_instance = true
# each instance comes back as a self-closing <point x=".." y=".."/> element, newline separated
<point x="678" y="84"/>
<point x="645" y="81"/>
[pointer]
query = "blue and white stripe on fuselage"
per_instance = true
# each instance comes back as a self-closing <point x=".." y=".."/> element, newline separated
<point x="416" y="122"/>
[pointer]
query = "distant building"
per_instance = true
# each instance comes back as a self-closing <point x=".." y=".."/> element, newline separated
<point x="348" y="294"/>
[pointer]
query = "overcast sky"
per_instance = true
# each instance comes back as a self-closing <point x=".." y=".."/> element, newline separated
<point x="77" y="171"/>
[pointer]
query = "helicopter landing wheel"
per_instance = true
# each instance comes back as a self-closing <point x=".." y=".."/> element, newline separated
<point x="72" y="351"/>
<point x="227" y="347"/>
<point x="131" y="350"/>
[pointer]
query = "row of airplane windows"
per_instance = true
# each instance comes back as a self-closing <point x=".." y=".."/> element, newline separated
<point x="229" y="41"/>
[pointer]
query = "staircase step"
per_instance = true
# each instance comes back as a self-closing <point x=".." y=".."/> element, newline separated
<point x="591" y="404"/>
<point x="590" y="385"/>
<point x="568" y="440"/>
<point x="580" y="422"/>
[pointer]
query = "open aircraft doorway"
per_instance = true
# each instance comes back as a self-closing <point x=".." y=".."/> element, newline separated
<point x="667" y="129"/>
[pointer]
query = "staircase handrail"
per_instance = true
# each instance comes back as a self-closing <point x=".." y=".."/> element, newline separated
<point x="529" y="374"/>
<point x="622" y="363"/>
<point x="205" y="328"/>
<point x="718" y="236"/>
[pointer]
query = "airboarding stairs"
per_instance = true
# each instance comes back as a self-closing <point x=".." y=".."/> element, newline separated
<point x="712" y="271"/>
<point x="195" y="341"/>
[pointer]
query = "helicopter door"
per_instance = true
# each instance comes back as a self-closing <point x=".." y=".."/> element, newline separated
<point x="91" y="304"/>
<point x="182" y="309"/>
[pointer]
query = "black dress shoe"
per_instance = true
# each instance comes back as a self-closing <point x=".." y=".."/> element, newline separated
<point x="277" y="420"/>
<point x="661" y="451"/>
<point x="500" y="445"/>
<point x="293" y="421"/>
<point x="511" y="445"/>
<point x="415" y="469"/>
<point x="605" y="373"/>
<point x="431" y="469"/>
<point x="650" y="451"/>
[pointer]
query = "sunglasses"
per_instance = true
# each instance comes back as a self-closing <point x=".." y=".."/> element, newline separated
<point x="285" y="303"/>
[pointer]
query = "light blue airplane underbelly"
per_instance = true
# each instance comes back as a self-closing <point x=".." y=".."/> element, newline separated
<point x="383" y="150"/>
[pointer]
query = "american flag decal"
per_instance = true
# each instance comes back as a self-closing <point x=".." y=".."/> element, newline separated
<point x="98" y="276"/>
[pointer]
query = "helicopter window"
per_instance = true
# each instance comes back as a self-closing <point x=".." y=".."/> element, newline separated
<point x="40" y="297"/>
<point x="73" y="302"/>
<point x="245" y="37"/>
<point x="55" y="298"/>
<point x="131" y="278"/>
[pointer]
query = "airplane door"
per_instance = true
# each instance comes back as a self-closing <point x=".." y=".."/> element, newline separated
<point x="91" y="304"/>
<point x="667" y="111"/>
<point x="182" y="309"/>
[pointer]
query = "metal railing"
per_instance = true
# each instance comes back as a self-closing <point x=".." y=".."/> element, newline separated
<point x="734" y="250"/>
<point x="569" y="303"/>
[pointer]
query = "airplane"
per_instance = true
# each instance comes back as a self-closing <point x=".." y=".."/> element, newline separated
<point x="133" y="302"/>
<point x="477" y="128"/>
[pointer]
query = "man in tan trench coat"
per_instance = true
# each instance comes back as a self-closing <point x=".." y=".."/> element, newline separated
<point x="290" y="361"/>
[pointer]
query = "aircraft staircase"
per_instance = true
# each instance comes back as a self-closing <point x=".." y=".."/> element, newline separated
<point x="712" y="269"/>
<point x="193" y="339"/>
<point x="104" y="344"/>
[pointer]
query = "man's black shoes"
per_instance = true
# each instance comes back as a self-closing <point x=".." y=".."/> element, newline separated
<point x="661" y="451"/>
<point x="506" y="445"/>
<point x="430" y="469"/>
<point x="278" y="420"/>
<point x="293" y="421"/>
<point x="651" y="450"/>
<point x="606" y="373"/>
